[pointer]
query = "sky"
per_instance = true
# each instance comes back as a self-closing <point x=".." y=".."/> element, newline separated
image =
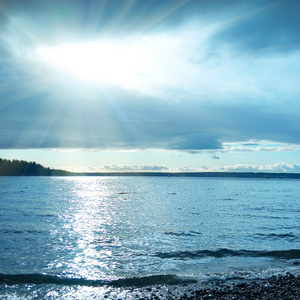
<point x="151" y="85"/>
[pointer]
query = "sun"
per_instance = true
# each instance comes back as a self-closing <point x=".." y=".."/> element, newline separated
<point x="108" y="62"/>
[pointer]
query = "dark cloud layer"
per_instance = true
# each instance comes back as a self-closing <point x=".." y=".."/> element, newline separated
<point x="50" y="123"/>
<point x="274" y="25"/>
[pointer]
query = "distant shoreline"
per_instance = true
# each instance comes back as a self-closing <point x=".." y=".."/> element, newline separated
<point x="198" y="174"/>
<point x="24" y="168"/>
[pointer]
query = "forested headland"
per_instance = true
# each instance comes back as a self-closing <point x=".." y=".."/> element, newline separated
<point x="24" y="168"/>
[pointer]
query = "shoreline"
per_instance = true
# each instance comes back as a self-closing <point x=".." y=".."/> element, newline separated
<point x="275" y="287"/>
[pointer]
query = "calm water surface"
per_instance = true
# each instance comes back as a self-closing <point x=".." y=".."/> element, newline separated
<point x="102" y="232"/>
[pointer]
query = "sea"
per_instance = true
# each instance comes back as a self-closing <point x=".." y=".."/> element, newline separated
<point x="107" y="237"/>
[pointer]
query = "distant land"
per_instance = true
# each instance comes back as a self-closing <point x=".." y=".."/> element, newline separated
<point x="24" y="168"/>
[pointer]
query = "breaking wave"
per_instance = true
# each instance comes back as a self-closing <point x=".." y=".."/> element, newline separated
<point x="280" y="254"/>
<point x="123" y="282"/>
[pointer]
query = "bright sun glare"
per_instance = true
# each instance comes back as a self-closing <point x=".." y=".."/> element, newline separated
<point x="112" y="63"/>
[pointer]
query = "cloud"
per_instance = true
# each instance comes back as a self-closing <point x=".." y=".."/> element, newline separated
<point x="263" y="146"/>
<point x="68" y="21"/>
<point x="275" y="168"/>
<point x="250" y="144"/>
<point x="269" y="24"/>
<point x="136" y="168"/>
<point x="201" y="88"/>
<point x="191" y="169"/>
<point x="195" y="141"/>
<point x="130" y="121"/>
<point x="271" y="168"/>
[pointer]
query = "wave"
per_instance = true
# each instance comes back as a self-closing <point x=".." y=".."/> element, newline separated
<point x="220" y="253"/>
<point x="189" y="233"/>
<point x="275" y="236"/>
<point x="10" y="231"/>
<point x="123" y="282"/>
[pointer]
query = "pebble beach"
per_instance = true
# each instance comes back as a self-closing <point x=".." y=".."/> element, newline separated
<point x="281" y="287"/>
<point x="276" y="287"/>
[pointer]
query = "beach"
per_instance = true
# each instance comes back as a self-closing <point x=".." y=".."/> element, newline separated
<point x="281" y="287"/>
<point x="276" y="287"/>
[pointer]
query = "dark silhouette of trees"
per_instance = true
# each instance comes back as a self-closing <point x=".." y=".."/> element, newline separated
<point x="23" y="168"/>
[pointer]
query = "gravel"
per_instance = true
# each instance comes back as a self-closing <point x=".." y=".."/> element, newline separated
<point x="282" y="287"/>
<point x="276" y="287"/>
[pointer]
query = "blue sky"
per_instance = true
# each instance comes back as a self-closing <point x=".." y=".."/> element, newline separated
<point x="171" y="85"/>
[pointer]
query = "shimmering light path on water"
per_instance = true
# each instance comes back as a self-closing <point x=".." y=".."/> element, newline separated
<point x="105" y="229"/>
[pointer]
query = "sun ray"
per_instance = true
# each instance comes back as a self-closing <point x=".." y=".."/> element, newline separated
<point x="161" y="14"/>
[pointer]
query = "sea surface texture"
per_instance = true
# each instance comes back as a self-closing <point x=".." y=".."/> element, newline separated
<point x="81" y="237"/>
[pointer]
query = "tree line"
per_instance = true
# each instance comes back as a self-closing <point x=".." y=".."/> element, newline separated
<point x="24" y="168"/>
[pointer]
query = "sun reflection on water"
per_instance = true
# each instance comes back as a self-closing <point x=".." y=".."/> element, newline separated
<point x="90" y="215"/>
<point x="107" y="227"/>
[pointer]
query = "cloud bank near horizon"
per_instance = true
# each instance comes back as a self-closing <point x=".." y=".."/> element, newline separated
<point x="271" y="168"/>
<point x="217" y="72"/>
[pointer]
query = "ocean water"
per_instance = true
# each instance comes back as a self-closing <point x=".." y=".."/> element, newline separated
<point x="100" y="237"/>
